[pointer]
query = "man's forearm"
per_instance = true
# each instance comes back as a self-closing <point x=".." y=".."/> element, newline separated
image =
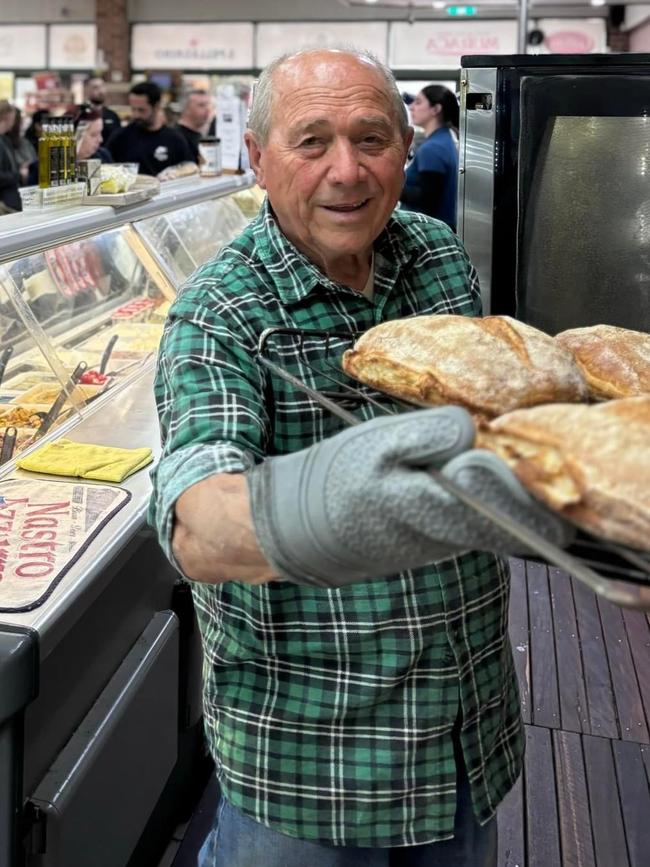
<point x="213" y="539"/>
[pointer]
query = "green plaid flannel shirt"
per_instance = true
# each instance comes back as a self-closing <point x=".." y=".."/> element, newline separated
<point x="329" y="712"/>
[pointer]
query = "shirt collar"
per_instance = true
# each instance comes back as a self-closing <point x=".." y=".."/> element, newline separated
<point x="295" y="276"/>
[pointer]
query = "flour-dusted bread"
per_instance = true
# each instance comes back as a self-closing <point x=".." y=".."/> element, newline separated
<point x="490" y="365"/>
<point x="591" y="463"/>
<point x="614" y="361"/>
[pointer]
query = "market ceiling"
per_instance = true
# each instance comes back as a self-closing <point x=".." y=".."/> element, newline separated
<point x="492" y="8"/>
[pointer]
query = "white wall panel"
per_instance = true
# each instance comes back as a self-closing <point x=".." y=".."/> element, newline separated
<point x="23" y="46"/>
<point x="274" y="39"/>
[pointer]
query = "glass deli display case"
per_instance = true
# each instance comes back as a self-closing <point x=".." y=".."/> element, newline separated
<point x="98" y="301"/>
<point x="100" y="709"/>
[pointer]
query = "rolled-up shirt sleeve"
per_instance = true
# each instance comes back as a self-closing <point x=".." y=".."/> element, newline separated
<point x="209" y="395"/>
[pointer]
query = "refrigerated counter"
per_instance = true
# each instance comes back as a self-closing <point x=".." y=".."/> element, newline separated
<point x="100" y="711"/>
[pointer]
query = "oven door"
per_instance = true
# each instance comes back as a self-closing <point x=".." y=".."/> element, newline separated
<point x="583" y="227"/>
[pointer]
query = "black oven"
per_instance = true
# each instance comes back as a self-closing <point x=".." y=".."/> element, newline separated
<point x="554" y="188"/>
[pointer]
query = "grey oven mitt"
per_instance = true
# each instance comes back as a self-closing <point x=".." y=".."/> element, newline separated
<point x="362" y="505"/>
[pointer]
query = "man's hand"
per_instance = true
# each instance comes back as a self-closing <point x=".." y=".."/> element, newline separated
<point x="361" y="504"/>
<point x="213" y="537"/>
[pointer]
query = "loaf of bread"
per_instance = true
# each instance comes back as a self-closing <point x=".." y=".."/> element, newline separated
<point x="614" y="361"/>
<point x="589" y="462"/>
<point x="490" y="365"/>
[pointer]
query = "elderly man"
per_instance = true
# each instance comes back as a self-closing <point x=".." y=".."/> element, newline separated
<point x="359" y="694"/>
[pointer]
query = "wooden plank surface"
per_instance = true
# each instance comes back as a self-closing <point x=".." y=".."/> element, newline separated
<point x="629" y="707"/>
<point x="638" y="636"/>
<point x="645" y="754"/>
<point x="573" y="801"/>
<point x="600" y="697"/>
<point x="584" y="672"/>
<point x="545" y="708"/>
<point x="542" y="836"/>
<point x="510" y="817"/>
<point x="574" y="714"/>
<point x="518" y="629"/>
<point x="606" y="820"/>
<point x="635" y="801"/>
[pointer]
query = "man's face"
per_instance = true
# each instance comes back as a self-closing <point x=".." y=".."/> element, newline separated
<point x="198" y="109"/>
<point x="142" y="112"/>
<point x="333" y="166"/>
<point x="96" y="91"/>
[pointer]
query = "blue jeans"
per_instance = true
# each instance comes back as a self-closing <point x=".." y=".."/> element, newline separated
<point x="239" y="841"/>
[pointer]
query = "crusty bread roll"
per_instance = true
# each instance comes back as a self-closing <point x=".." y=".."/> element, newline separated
<point x="614" y="361"/>
<point x="591" y="463"/>
<point x="490" y="365"/>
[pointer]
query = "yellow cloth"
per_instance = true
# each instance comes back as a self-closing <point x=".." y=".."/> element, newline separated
<point x="104" y="463"/>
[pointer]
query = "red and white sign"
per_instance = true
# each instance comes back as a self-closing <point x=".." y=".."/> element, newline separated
<point x="571" y="36"/>
<point x="44" y="527"/>
<point x="441" y="44"/>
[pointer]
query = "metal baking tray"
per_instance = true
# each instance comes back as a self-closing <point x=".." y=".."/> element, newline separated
<point x="615" y="572"/>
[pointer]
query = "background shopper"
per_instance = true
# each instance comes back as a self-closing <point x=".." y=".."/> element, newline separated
<point x="194" y="119"/>
<point x="10" y="173"/>
<point x="96" y="96"/>
<point x="147" y="140"/>
<point x="431" y="184"/>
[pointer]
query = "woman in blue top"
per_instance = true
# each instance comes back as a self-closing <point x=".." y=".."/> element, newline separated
<point x="432" y="176"/>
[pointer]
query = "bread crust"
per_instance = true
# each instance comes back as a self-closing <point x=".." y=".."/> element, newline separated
<point x="614" y="361"/>
<point x="490" y="365"/>
<point x="591" y="463"/>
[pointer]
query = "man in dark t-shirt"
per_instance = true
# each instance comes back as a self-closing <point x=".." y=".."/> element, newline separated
<point x="195" y="114"/>
<point x="146" y="140"/>
<point x="96" y="96"/>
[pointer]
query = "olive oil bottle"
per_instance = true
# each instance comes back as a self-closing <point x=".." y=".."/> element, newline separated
<point x="71" y="153"/>
<point x="56" y="153"/>
<point x="44" y="156"/>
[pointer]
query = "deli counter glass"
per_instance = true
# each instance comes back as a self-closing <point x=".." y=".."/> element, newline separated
<point x="101" y="744"/>
<point x="98" y="301"/>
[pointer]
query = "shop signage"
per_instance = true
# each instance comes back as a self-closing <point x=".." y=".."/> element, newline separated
<point x="441" y="44"/>
<point x="571" y="36"/>
<point x="72" y="46"/>
<point x="231" y="123"/>
<point x="274" y="39"/>
<point x="192" y="46"/>
<point x="22" y="46"/>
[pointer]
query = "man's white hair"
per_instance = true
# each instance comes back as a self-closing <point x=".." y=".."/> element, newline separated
<point x="259" y="116"/>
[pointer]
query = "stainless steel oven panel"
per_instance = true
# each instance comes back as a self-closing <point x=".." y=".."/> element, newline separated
<point x="476" y="178"/>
